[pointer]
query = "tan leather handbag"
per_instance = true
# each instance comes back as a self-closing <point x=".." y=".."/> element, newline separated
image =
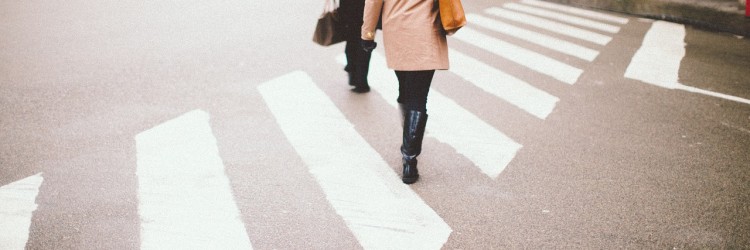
<point x="452" y="15"/>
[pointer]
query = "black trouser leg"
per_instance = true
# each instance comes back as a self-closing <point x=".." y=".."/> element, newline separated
<point x="358" y="65"/>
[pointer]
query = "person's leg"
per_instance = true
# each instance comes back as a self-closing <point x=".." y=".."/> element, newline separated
<point x="352" y="45"/>
<point x="358" y="60"/>
<point x="357" y="65"/>
<point x="413" y="89"/>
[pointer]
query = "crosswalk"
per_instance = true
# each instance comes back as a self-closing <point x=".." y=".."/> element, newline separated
<point x="489" y="149"/>
<point x="186" y="200"/>
<point x="390" y="215"/>
<point x="179" y="169"/>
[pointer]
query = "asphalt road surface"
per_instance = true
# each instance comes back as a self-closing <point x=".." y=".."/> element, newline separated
<point x="221" y="125"/>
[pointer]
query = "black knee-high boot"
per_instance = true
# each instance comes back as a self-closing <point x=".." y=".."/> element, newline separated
<point x="414" y="126"/>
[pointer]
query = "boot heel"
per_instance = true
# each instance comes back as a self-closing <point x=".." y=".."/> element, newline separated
<point x="410" y="173"/>
<point x="410" y="180"/>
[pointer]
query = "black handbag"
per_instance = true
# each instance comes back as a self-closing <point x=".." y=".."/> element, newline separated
<point x="329" y="29"/>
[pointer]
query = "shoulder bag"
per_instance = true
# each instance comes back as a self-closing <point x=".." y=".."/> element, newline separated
<point x="451" y="15"/>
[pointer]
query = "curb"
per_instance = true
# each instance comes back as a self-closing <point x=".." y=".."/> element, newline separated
<point x="684" y="12"/>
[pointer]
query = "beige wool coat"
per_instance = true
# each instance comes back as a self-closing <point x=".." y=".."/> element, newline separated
<point x="413" y="35"/>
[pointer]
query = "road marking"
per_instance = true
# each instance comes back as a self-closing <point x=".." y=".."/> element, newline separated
<point x="551" y="26"/>
<point x="577" y="11"/>
<point x="564" y="18"/>
<point x="381" y="212"/>
<point x="530" y="59"/>
<point x="185" y="198"/>
<point x="658" y="60"/>
<point x="17" y="204"/>
<point x="489" y="149"/>
<point x="711" y="93"/>
<point x="504" y="86"/>
<point x="546" y="41"/>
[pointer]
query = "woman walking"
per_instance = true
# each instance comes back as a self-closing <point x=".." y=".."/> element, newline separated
<point x="415" y="46"/>
<point x="358" y="60"/>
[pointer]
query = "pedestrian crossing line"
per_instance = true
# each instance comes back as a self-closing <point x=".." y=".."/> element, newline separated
<point x="17" y="204"/>
<point x="564" y="17"/>
<point x="546" y="41"/>
<point x="658" y="60"/>
<point x="185" y="199"/>
<point x="527" y="58"/>
<point x="551" y="26"/>
<point x="489" y="149"/>
<point x="504" y="86"/>
<point x="577" y="11"/>
<point x="381" y="212"/>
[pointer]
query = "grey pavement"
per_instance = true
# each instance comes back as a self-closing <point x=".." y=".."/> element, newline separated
<point x="716" y="15"/>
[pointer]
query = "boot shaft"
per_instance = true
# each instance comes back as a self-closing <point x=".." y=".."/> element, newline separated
<point x="413" y="133"/>
<point x="414" y="126"/>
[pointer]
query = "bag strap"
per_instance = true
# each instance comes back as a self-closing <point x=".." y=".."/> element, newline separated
<point x="330" y="6"/>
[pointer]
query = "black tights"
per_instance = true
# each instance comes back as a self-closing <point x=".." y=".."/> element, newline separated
<point x="413" y="87"/>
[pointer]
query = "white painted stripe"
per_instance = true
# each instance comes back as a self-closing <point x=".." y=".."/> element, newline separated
<point x="185" y="198"/>
<point x="17" y="204"/>
<point x="489" y="149"/>
<point x="551" y="26"/>
<point x="485" y="146"/>
<point x="564" y="18"/>
<point x="381" y="212"/>
<point x="530" y="59"/>
<point x="711" y="93"/>
<point x="506" y="87"/>
<point x="546" y="41"/>
<point x="577" y="11"/>
<point x="658" y="60"/>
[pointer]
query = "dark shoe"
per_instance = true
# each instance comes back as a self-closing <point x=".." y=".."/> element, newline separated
<point x="414" y="127"/>
<point x="361" y="89"/>
<point x="358" y="78"/>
